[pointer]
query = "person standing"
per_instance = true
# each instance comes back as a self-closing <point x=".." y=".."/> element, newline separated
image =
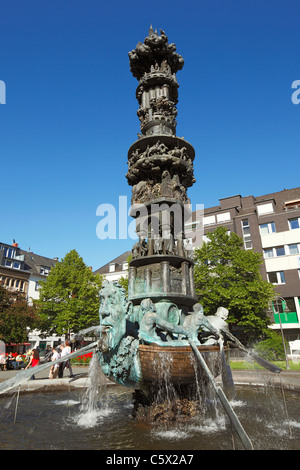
<point x="34" y="361"/>
<point x="65" y="350"/>
<point x="55" y="367"/>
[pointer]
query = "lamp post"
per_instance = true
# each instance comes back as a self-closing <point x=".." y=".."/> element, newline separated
<point x="274" y="308"/>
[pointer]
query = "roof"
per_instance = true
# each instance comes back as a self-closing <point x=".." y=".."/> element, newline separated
<point x="32" y="261"/>
<point x="285" y="196"/>
<point x="117" y="261"/>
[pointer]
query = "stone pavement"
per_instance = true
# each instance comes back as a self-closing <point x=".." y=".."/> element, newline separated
<point x="287" y="379"/>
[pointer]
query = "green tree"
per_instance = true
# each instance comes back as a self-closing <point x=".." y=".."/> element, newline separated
<point x="15" y="317"/>
<point x="69" y="298"/>
<point x="227" y="275"/>
<point x="123" y="281"/>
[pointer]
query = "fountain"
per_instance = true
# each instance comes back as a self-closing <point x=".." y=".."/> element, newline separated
<point x="161" y="322"/>
<point x="156" y="340"/>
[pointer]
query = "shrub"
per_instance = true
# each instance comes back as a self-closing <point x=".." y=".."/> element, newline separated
<point x="271" y="348"/>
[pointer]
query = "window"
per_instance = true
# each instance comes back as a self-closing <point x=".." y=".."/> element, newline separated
<point x="192" y="226"/>
<point x="294" y="223"/>
<point x="267" y="228"/>
<point x="276" y="277"/>
<point x="16" y="265"/>
<point x="294" y="249"/>
<point x="125" y="265"/>
<point x="265" y="208"/>
<point x="268" y="253"/>
<point x="44" y="270"/>
<point x="112" y="267"/>
<point x="9" y="252"/>
<point x="37" y="285"/>
<point x="8" y="263"/>
<point x="246" y="235"/>
<point x="210" y="220"/>
<point x="225" y="217"/>
<point x="271" y="252"/>
<point x="279" y="250"/>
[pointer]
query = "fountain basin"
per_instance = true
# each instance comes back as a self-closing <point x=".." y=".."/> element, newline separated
<point x="179" y="360"/>
<point x="260" y="409"/>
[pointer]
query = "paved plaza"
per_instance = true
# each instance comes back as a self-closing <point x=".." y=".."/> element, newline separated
<point x="288" y="379"/>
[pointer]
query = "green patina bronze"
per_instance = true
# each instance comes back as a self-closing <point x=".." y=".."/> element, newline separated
<point x="161" y="308"/>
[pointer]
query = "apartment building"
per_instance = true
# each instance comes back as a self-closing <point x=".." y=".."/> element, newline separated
<point x="13" y="273"/>
<point x="21" y="271"/>
<point x="269" y="224"/>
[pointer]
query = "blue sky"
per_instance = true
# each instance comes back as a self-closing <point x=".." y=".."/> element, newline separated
<point x="70" y="112"/>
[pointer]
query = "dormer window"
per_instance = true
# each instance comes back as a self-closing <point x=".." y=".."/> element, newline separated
<point x="112" y="267"/>
<point x="44" y="270"/>
<point x="263" y="209"/>
<point x="9" y="252"/>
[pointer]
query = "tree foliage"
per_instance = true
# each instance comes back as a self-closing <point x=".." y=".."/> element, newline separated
<point x="15" y="317"/>
<point x="69" y="298"/>
<point x="227" y="275"/>
<point x="123" y="281"/>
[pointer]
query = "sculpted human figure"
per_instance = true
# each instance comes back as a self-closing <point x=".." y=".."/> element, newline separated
<point x="113" y="311"/>
<point x="183" y="151"/>
<point x="197" y="321"/>
<point x="175" y="152"/>
<point x="166" y="184"/>
<point x="157" y="246"/>
<point x="180" y="244"/>
<point x="135" y="155"/>
<point x="143" y="246"/>
<point x="150" y="322"/>
<point x="189" y="249"/>
<point x="135" y="250"/>
<point x="168" y="242"/>
<point x="218" y="322"/>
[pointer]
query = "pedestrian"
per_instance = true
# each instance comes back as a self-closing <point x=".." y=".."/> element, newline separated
<point x="34" y="361"/>
<point x="55" y="367"/>
<point x="19" y="361"/>
<point x="2" y="361"/>
<point x="65" y="350"/>
<point x="11" y="362"/>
